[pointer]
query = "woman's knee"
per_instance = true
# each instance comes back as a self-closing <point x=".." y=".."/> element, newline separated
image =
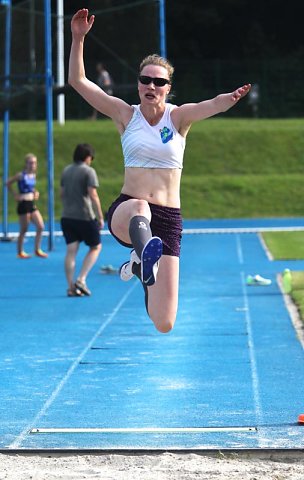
<point x="141" y="207"/>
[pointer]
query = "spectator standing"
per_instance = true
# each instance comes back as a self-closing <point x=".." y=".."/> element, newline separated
<point x="82" y="217"/>
<point x="26" y="207"/>
<point x="104" y="81"/>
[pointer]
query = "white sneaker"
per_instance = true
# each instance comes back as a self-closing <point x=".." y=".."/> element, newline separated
<point x="125" y="271"/>
<point x="257" y="280"/>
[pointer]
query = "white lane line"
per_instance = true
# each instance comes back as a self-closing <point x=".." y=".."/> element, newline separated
<point x="265" y="248"/>
<point x="186" y="231"/>
<point x="18" y="441"/>
<point x="145" y="430"/>
<point x="239" y="250"/>
<point x="191" y="231"/>
<point x="253" y="364"/>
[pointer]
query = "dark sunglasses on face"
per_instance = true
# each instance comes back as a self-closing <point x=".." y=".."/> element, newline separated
<point x="158" y="81"/>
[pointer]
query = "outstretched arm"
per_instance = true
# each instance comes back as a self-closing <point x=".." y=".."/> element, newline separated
<point x="186" y="114"/>
<point x="113" y="107"/>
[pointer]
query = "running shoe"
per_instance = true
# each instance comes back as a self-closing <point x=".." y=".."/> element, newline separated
<point x="23" y="255"/>
<point x="40" y="253"/>
<point x="108" y="269"/>
<point x="74" y="292"/>
<point x="257" y="280"/>
<point x="150" y="260"/>
<point x="126" y="270"/>
<point x="82" y="286"/>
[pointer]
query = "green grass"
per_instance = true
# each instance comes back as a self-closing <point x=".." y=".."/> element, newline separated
<point x="222" y="146"/>
<point x="297" y="292"/>
<point x="233" y="167"/>
<point x="285" y="245"/>
<point x="289" y="246"/>
<point x="241" y="196"/>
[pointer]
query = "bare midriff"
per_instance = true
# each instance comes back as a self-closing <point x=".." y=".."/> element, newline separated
<point x="160" y="186"/>
<point x="26" y="196"/>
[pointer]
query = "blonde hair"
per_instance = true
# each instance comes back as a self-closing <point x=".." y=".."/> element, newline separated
<point x="155" y="59"/>
<point x="29" y="156"/>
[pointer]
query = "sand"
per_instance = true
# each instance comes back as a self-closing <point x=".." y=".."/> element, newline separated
<point x="163" y="466"/>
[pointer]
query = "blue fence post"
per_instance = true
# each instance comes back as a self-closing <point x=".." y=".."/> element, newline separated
<point x="162" y="28"/>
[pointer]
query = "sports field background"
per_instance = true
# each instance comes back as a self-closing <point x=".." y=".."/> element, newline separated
<point x="233" y="168"/>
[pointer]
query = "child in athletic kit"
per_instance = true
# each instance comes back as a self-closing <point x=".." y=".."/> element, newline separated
<point x="26" y="207"/>
<point x="146" y="216"/>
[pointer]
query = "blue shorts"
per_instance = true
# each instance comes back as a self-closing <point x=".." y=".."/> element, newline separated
<point x="166" y="223"/>
<point x="86" y="231"/>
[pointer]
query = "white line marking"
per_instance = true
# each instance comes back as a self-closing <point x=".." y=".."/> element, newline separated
<point x="265" y="248"/>
<point x="254" y="370"/>
<point x="17" y="442"/>
<point x="253" y="364"/>
<point x="57" y="233"/>
<point x="186" y="231"/>
<point x="242" y="230"/>
<point x="145" y="430"/>
<point x="239" y="250"/>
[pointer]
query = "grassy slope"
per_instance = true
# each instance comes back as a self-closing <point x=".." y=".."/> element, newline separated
<point x="285" y="245"/>
<point x="233" y="167"/>
<point x="289" y="246"/>
<point x="297" y="293"/>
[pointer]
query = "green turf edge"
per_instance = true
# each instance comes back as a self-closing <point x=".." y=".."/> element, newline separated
<point x="289" y="246"/>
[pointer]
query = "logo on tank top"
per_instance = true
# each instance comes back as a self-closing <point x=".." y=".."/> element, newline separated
<point x="166" y="134"/>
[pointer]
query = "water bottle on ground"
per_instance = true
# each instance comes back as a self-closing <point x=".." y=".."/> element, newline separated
<point x="287" y="283"/>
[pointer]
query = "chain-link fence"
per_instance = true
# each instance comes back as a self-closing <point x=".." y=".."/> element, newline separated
<point x="124" y="32"/>
<point x="277" y="84"/>
<point x="122" y="35"/>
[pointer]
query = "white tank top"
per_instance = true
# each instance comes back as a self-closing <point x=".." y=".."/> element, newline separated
<point x="158" y="146"/>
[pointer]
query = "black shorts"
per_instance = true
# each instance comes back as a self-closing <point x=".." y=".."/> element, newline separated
<point x="86" y="231"/>
<point x="166" y="223"/>
<point x="26" y="206"/>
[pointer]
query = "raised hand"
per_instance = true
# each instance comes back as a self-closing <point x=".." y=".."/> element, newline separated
<point x="81" y="23"/>
<point x="240" y="92"/>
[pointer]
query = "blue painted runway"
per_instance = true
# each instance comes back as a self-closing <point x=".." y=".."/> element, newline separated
<point x="230" y="374"/>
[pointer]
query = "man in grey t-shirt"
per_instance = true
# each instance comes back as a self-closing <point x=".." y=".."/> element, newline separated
<point x="82" y="217"/>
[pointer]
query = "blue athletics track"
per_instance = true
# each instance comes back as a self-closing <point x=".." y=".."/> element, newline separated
<point x="92" y="373"/>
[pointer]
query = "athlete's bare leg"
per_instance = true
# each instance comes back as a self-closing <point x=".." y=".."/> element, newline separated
<point x="88" y="262"/>
<point x="163" y="295"/>
<point x="70" y="263"/>
<point x="37" y="220"/>
<point x="24" y="221"/>
<point x="123" y="214"/>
